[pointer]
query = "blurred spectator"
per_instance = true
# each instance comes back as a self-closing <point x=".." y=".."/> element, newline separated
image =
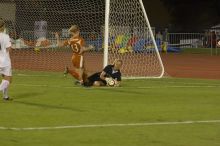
<point x="213" y="39"/>
<point x="159" y="36"/>
<point x="205" y="39"/>
<point x="165" y="35"/>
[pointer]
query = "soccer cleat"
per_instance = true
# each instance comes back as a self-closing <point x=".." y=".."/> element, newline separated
<point x="65" y="71"/>
<point x="7" y="99"/>
<point x="78" y="83"/>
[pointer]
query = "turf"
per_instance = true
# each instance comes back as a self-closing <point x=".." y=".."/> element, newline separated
<point x="48" y="100"/>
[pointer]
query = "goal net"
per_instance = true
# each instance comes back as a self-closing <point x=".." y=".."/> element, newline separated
<point x="116" y="28"/>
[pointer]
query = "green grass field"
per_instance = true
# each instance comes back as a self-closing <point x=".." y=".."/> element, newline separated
<point x="62" y="114"/>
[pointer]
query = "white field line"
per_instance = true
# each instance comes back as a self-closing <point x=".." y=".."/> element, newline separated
<point x="123" y="87"/>
<point x="28" y="75"/>
<point x="109" y="125"/>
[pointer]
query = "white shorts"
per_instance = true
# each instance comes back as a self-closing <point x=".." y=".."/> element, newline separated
<point x="6" y="71"/>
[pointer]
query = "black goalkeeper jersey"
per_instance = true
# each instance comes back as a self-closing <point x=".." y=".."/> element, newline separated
<point x="115" y="74"/>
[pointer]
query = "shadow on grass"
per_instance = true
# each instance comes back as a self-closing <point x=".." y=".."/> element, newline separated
<point x="27" y="95"/>
<point x="46" y="106"/>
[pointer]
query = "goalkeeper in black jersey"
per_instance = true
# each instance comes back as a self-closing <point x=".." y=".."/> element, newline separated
<point x="110" y="75"/>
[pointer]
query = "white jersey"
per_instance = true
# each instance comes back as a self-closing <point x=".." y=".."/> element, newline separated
<point x="4" y="53"/>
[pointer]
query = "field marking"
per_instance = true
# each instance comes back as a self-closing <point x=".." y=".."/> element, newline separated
<point x="109" y="125"/>
<point x="123" y="87"/>
<point x="28" y="75"/>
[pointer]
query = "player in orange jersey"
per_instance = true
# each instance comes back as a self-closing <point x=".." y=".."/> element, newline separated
<point x="77" y="44"/>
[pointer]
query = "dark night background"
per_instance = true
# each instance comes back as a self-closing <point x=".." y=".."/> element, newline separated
<point x="176" y="15"/>
<point x="183" y="15"/>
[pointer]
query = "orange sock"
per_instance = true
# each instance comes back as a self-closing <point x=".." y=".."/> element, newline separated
<point x="74" y="74"/>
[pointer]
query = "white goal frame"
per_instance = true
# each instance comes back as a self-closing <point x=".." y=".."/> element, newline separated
<point x="106" y="38"/>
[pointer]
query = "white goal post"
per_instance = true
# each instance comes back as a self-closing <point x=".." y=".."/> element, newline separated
<point x="149" y="34"/>
<point x="117" y="29"/>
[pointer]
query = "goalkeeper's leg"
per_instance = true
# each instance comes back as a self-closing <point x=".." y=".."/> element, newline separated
<point x="89" y="80"/>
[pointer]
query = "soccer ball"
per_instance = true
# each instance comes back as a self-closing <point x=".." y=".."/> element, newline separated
<point x="111" y="82"/>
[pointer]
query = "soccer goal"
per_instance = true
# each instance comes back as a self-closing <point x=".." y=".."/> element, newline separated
<point x="116" y="29"/>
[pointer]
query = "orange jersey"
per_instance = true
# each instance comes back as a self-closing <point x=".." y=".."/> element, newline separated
<point x="76" y="44"/>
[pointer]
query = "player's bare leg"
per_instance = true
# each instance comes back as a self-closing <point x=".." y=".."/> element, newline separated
<point x="73" y="72"/>
<point x="84" y="76"/>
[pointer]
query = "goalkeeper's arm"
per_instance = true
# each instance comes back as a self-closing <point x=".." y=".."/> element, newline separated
<point x="102" y="76"/>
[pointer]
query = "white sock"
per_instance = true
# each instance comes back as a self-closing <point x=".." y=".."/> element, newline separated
<point x="5" y="93"/>
<point x="1" y="85"/>
<point x="4" y="88"/>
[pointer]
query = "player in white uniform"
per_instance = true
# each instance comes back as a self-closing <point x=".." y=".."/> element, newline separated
<point x="5" y="61"/>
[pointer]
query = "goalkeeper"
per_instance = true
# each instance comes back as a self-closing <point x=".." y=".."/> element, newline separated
<point x="110" y="72"/>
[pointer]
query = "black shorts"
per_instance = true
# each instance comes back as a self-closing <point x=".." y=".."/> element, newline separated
<point x="94" y="77"/>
